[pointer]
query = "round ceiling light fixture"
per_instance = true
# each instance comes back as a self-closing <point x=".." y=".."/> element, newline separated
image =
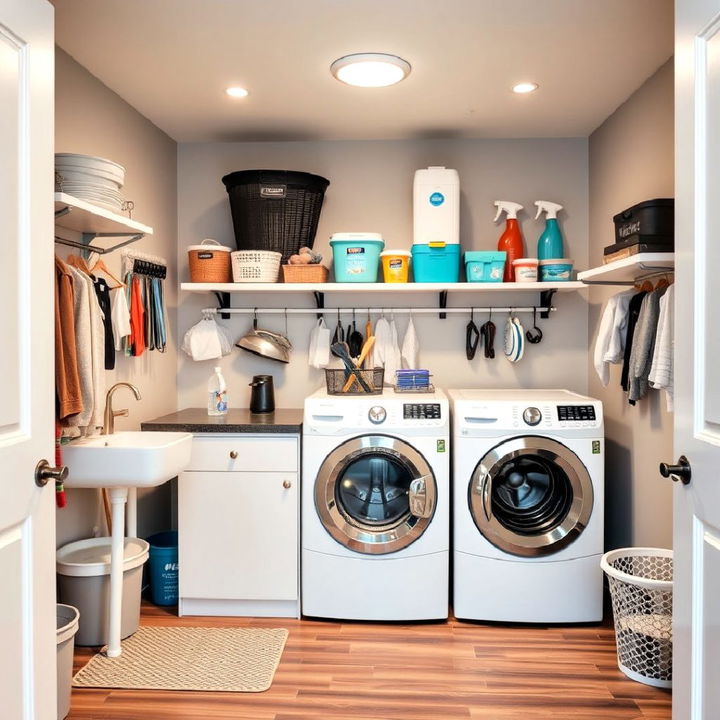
<point x="370" y="69"/>
<point x="237" y="92"/>
<point x="525" y="87"/>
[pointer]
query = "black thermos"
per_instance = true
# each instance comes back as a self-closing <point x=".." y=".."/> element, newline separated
<point x="262" y="395"/>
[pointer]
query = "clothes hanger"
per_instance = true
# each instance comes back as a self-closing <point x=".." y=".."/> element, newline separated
<point x="77" y="262"/>
<point x="472" y="336"/>
<point x="102" y="267"/>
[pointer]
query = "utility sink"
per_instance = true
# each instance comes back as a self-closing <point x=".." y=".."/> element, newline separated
<point x="126" y="459"/>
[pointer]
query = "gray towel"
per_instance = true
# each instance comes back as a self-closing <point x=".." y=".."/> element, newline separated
<point x="643" y="345"/>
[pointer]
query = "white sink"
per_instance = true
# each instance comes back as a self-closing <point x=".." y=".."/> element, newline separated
<point x="126" y="459"/>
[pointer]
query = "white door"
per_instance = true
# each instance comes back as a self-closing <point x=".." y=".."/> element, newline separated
<point x="27" y="515"/>
<point x="696" y="662"/>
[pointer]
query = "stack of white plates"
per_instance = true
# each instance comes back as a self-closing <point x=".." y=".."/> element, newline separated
<point x="90" y="178"/>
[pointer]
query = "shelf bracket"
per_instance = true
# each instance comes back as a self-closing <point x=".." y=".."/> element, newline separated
<point x="442" y="303"/>
<point x="319" y="301"/>
<point x="546" y="298"/>
<point x="223" y="299"/>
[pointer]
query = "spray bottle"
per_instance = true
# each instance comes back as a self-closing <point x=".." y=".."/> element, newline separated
<point x="550" y="243"/>
<point x="511" y="241"/>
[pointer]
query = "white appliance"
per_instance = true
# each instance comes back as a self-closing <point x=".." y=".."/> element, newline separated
<point x="436" y="206"/>
<point x="528" y="501"/>
<point x="375" y="506"/>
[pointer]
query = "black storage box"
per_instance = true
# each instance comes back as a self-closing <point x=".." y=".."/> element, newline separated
<point x="275" y="210"/>
<point x="650" y="222"/>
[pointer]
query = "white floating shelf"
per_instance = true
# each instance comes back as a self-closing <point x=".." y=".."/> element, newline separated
<point x="393" y="288"/>
<point x="84" y="217"/>
<point x="629" y="269"/>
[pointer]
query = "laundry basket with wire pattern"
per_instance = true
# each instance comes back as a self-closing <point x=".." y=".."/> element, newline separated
<point x="641" y="591"/>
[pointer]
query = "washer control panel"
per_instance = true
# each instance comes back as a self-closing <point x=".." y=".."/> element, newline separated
<point x="576" y="413"/>
<point x="421" y="411"/>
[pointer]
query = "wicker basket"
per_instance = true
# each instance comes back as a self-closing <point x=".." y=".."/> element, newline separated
<point x="209" y="262"/>
<point x="255" y="266"/>
<point x="304" y="273"/>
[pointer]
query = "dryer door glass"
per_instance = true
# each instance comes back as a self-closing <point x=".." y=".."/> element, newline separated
<point x="375" y="494"/>
<point x="531" y="496"/>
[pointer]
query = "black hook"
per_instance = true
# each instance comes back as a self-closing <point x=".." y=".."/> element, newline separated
<point x="535" y="335"/>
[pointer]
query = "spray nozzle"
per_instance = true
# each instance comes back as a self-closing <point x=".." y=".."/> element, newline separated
<point x="511" y="208"/>
<point x="550" y="208"/>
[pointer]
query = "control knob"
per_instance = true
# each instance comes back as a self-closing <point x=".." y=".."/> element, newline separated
<point x="532" y="416"/>
<point x="377" y="414"/>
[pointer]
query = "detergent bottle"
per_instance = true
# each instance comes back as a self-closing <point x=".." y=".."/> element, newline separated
<point x="550" y="243"/>
<point x="511" y="241"/>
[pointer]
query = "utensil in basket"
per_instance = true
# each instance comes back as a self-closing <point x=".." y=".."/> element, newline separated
<point x="340" y="350"/>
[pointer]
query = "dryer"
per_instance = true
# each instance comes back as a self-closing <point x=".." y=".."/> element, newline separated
<point x="375" y="506"/>
<point x="528" y="503"/>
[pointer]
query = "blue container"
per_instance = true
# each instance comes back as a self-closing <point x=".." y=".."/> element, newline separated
<point x="164" y="568"/>
<point x="356" y="256"/>
<point x="436" y="264"/>
<point x="558" y="270"/>
<point x="485" y="265"/>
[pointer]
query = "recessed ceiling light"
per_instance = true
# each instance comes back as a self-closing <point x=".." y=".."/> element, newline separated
<point x="237" y="92"/>
<point x="525" y="87"/>
<point x="370" y="69"/>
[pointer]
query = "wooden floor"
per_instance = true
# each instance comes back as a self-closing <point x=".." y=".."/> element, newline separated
<point x="363" y="671"/>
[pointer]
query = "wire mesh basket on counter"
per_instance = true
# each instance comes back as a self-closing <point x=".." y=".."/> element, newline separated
<point x="338" y="380"/>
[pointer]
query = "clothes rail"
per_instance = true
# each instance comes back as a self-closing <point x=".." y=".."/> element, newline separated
<point x="373" y="310"/>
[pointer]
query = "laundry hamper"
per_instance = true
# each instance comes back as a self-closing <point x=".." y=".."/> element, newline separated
<point x="641" y="589"/>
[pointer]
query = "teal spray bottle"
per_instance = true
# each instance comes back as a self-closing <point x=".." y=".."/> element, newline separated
<point x="550" y="243"/>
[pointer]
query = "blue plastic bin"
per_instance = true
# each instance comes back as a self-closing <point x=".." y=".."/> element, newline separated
<point x="436" y="264"/>
<point x="356" y="256"/>
<point x="164" y="568"/>
<point x="485" y="265"/>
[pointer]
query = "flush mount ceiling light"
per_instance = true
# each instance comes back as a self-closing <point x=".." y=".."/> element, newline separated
<point x="525" y="87"/>
<point x="237" y="92"/>
<point x="370" y="69"/>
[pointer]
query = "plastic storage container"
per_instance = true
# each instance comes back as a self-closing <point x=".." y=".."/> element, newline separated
<point x="66" y="627"/>
<point x="275" y="210"/>
<point x="436" y="206"/>
<point x="83" y="569"/>
<point x="164" y="567"/>
<point x="558" y="270"/>
<point x="485" y="265"/>
<point x="641" y="588"/>
<point x="652" y="221"/>
<point x="526" y="269"/>
<point x="395" y="265"/>
<point x="209" y="262"/>
<point x="356" y="256"/>
<point x="436" y="264"/>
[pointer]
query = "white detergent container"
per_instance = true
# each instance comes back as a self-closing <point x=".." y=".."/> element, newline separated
<point x="436" y="207"/>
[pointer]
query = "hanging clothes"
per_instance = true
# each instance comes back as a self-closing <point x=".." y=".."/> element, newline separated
<point x="632" y="318"/>
<point x="643" y="346"/>
<point x="83" y="343"/>
<point x="393" y="361"/>
<point x="410" y="347"/>
<point x="102" y="292"/>
<point x="120" y="316"/>
<point x="662" y="371"/>
<point x="67" y="379"/>
<point x="610" y="341"/>
<point x="97" y="331"/>
<point x="159" y="318"/>
<point x="137" y="317"/>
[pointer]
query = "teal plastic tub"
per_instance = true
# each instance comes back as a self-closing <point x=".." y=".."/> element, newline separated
<point x="164" y="568"/>
<point x="485" y="265"/>
<point x="356" y="256"/>
<point x="558" y="270"/>
<point x="436" y="264"/>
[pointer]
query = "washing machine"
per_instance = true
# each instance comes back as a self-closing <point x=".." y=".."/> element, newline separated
<point x="375" y="506"/>
<point x="528" y="499"/>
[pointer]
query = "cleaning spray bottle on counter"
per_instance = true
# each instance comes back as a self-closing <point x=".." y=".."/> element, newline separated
<point x="511" y="241"/>
<point x="217" y="393"/>
<point x="550" y="243"/>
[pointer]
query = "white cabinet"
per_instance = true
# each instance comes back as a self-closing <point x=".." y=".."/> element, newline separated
<point x="238" y="523"/>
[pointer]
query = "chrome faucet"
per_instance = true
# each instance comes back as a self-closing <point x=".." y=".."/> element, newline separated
<point x="110" y="414"/>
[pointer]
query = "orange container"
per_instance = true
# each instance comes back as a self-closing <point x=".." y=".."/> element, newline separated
<point x="395" y="265"/>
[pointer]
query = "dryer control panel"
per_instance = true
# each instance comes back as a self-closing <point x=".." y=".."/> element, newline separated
<point x="577" y="413"/>
<point x="421" y="411"/>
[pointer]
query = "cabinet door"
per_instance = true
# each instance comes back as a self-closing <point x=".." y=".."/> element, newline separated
<point x="238" y="535"/>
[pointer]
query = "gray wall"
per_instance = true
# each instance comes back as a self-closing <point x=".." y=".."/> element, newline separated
<point x="91" y="119"/>
<point x="371" y="190"/>
<point x="631" y="159"/>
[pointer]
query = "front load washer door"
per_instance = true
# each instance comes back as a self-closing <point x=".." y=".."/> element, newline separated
<point x="375" y="494"/>
<point x="530" y="496"/>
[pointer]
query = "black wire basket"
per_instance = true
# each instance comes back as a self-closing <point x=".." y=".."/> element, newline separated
<point x="275" y="210"/>
<point x="337" y="380"/>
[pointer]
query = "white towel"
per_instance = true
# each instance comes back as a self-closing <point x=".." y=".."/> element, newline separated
<point x="393" y="360"/>
<point x="376" y="358"/>
<point x="661" y="372"/>
<point x="610" y="341"/>
<point x="409" y="352"/>
<point x="120" y="316"/>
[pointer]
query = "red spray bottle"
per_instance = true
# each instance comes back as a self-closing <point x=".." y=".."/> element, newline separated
<point x="511" y="241"/>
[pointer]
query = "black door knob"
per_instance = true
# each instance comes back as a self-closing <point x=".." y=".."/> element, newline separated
<point x="682" y="471"/>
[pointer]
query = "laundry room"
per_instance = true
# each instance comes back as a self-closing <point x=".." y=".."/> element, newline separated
<point x="365" y="337"/>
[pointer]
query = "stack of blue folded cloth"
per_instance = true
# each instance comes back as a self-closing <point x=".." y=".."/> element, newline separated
<point x="412" y="379"/>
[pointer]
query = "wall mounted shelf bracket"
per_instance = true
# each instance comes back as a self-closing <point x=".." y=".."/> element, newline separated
<point x="546" y="298"/>
<point x="223" y="299"/>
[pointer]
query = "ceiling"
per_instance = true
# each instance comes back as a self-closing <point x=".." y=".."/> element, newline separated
<point x="173" y="59"/>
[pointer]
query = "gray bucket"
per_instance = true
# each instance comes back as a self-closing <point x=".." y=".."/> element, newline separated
<point x="67" y="625"/>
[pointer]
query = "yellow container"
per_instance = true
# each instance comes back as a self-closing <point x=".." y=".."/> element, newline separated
<point x="395" y="265"/>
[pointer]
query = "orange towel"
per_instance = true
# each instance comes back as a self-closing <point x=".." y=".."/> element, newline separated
<point x="137" y="319"/>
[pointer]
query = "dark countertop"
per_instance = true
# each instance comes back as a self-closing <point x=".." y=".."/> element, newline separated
<point x="237" y="420"/>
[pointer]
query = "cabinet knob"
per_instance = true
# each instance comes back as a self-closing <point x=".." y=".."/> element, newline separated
<point x="233" y="454"/>
<point x="287" y="484"/>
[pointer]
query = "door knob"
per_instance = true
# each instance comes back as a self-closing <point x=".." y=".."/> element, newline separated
<point x="287" y="484"/>
<point x="44" y="472"/>
<point x="233" y="454"/>
<point x="682" y="471"/>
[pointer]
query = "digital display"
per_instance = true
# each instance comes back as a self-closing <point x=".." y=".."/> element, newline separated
<point x="421" y="411"/>
<point x="576" y="412"/>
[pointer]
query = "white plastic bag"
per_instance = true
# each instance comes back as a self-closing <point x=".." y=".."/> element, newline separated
<point x="319" y="348"/>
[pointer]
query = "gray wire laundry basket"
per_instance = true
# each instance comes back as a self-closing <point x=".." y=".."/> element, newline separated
<point x="641" y="588"/>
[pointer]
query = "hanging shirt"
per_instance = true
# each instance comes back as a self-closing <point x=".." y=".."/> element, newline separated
<point x="67" y="379"/>
<point x="102" y="292"/>
<point x="662" y="371"/>
<point x="610" y="341"/>
<point x="137" y="318"/>
<point x="633" y="312"/>
<point x="83" y="349"/>
<point x="120" y="316"/>
<point x="643" y="345"/>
